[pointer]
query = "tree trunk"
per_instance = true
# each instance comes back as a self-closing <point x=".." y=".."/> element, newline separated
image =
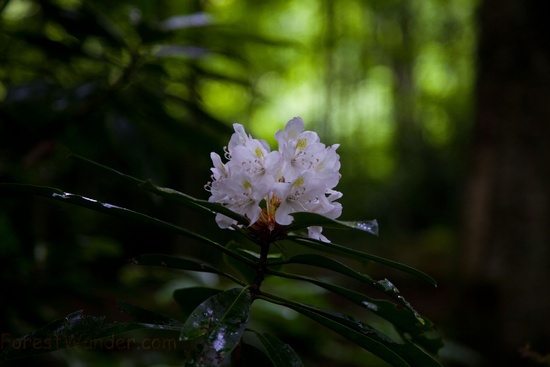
<point x="506" y="243"/>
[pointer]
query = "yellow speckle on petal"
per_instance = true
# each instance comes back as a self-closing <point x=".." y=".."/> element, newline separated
<point x="299" y="182"/>
<point x="247" y="184"/>
<point x="302" y="143"/>
<point x="258" y="152"/>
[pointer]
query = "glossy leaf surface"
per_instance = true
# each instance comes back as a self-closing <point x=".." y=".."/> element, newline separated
<point x="215" y="327"/>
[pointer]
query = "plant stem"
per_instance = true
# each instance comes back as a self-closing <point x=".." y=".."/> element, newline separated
<point x="260" y="269"/>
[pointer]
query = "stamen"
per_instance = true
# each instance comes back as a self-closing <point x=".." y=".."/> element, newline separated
<point x="258" y="152"/>
<point x="301" y="144"/>
<point x="226" y="154"/>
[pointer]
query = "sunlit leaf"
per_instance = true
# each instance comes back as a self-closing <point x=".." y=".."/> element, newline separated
<point x="182" y="264"/>
<point x="215" y="327"/>
<point x="358" y="255"/>
<point x="281" y="354"/>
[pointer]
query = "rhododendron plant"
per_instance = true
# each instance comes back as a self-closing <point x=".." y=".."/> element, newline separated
<point x="267" y="186"/>
<point x="266" y="196"/>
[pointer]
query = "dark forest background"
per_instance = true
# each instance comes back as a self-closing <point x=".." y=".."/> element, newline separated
<point x="441" y="108"/>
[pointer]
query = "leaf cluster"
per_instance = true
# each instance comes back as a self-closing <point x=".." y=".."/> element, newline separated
<point x="219" y="318"/>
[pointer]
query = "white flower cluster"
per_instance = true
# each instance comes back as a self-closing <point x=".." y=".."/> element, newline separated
<point x="299" y="177"/>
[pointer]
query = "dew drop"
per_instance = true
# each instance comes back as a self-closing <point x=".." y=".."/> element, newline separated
<point x="388" y="286"/>
<point x="367" y="226"/>
<point x="370" y="306"/>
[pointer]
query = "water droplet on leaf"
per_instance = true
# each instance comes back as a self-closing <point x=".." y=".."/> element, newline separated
<point x="371" y="306"/>
<point x="370" y="226"/>
<point x="388" y="286"/>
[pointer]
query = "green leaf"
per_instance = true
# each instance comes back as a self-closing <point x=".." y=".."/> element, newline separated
<point x="358" y="255"/>
<point x="327" y="263"/>
<point x="281" y="354"/>
<point x="306" y="219"/>
<point x="181" y="264"/>
<point x="215" y="327"/>
<point x="117" y="211"/>
<point x="171" y="194"/>
<point x="194" y="203"/>
<point x="398" y="354"/>
<point x="371" y="341"/>
<point x="420" y="330"/>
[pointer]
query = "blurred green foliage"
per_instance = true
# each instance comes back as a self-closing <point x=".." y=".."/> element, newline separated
<point x="150" y="88"/>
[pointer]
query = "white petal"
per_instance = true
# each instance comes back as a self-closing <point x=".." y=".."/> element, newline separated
<point x="238" y="138"/>
<point x="282" y="214"/>
<point x="224" y="222"/>
<point x="315" y="233"/>
<point x="294" y="127"/>
<point x="219" y="170"/>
